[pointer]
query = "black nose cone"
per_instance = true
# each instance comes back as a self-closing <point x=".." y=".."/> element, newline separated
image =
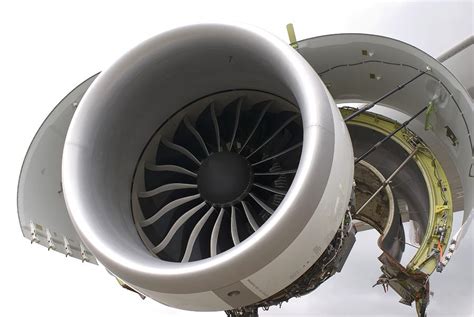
<point x="224" y="178"/>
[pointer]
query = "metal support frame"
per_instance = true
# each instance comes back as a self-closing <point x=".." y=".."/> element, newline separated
<point x="385" y="96"/>
<point x="388" y="180"/>
<point x="387" y="137"/>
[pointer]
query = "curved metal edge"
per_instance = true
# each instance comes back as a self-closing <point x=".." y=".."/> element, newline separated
<point x="44" y="224"/>
<point x="433" y="59"/>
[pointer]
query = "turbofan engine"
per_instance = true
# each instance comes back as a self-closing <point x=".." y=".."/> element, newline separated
<point x="210" y="168"/>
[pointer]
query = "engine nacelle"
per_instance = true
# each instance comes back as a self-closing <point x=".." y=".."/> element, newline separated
<point x="132" y="114"/>
<point x="210" y="169"/>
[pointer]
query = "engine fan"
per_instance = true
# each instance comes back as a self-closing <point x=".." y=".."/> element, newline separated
<point x="215" y="172"/>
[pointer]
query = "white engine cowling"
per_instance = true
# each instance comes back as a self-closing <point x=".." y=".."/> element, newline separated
<point x="207" y="252"/>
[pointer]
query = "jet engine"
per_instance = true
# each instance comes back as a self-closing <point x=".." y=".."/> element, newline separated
<point x="211" y="169"/>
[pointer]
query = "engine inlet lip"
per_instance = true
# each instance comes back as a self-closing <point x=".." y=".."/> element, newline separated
<point x="137" y="266"/>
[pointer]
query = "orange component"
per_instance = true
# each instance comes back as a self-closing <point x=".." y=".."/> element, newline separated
<point x="440" y="248"/>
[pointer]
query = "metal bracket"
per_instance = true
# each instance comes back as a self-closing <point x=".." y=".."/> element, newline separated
<point x="67" y="247"/>
<point x="49" y="239"/>
<point x="291" y="35"/>
<point x="33" y="233"/>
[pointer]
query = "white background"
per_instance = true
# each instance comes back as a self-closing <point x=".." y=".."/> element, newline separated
<point x="48" y="47"/>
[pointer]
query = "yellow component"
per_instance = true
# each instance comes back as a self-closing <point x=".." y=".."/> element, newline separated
<point x="440" y="220"/>
<point x="429" y="112"/>
<point x="127" y="287"/>
<point x="291" y="35"/>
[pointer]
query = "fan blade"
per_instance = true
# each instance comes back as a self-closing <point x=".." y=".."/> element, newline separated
<point x="275" y="173"/>
<point x="271" y="189"/>
<point x="196" y="134"/>
<point x="169" y="168"/>
<point x="194" y="234"/>
<point x="291" y="148"/>
<point x="165" y="188"/>
<point x="215" y="232"/>
<point x="234" y="231"/>
<point x="181" y="150"/>
<point x="261" y="204"/>
<point x="167" y="208"/>
<point x="260" y="117"/>
<point x="249" y="216"/>
<point x="236" y="123"/>
<point x="284" y="125"/>
<point x="216" y="127"/>
<point x="181" y="220"/>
